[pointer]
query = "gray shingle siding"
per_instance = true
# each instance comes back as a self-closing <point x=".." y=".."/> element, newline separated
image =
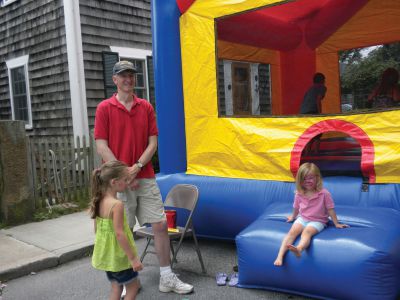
<point x="110" y="23"/>
<point x="36" y="28"/>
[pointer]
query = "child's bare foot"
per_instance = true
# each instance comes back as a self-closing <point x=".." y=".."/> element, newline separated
<point x="278" y="262"/>
<point x="295" y="250"/>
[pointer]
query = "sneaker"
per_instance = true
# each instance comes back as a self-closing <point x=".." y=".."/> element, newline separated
<point x="171" y="283"/>
<point x="123" y="293"/>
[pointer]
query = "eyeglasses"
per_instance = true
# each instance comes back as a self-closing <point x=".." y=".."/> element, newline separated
<point x="310" y="177"/>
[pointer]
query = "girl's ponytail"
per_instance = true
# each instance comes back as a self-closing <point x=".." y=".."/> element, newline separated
<point x="101" y="179"/>
<point x="97" y="193"/>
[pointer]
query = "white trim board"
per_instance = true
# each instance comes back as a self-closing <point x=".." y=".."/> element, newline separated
<point x="76" y="71"/>
<point x="131" y="52"/>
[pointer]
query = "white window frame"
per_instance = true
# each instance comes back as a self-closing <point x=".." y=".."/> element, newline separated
<point x="6" y="2"/>
<point x="139" y="54"/>
<point x="21" y="61"/>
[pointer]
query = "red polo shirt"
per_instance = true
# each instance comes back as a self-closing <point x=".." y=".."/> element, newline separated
<point x="127" y="132"/>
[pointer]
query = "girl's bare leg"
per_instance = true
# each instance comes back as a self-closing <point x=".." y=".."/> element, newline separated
<point x="116" y="291"/>
<point x="293" y="233"/>
<point x="306" y="236"/>
<point x="132" y="289"/>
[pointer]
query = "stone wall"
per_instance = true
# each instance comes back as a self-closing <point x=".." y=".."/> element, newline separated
<point x="16" y="194"/>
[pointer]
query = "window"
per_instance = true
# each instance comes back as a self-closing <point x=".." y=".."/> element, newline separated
<point x="109" y="60"/>
<point x="6" y="2"/>
<point x="142" y="60"/>
<point x="141" y="89"/>
<point x="243" y="88"/>
<point x="369" y="77"/>
<point x="19" y="90"/>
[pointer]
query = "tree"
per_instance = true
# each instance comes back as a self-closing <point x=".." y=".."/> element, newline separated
<point x="360" y="74"/>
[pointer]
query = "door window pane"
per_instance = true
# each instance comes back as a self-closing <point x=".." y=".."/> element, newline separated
<point x="244" y="88"/>
<point x="241" y="86"/>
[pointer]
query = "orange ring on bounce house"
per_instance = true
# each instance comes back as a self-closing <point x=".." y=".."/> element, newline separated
<point x="367" y="147"/>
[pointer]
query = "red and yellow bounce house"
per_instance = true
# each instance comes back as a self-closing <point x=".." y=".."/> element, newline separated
<point x="210" y="58"/>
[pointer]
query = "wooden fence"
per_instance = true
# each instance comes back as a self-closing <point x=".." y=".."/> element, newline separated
<point x="61" y="169"/>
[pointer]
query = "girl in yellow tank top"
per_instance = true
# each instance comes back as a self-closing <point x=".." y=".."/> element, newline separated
<point x="114" y="249"/>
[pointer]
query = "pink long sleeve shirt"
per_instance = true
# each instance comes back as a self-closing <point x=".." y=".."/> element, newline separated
<point x="314" y="208"/>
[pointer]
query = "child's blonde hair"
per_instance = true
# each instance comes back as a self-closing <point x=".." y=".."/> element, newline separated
<point x="308" y="169"/>
<point x="101" y="179"/>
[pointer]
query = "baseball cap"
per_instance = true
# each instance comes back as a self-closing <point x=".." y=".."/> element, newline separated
<point x="122" y="66"/>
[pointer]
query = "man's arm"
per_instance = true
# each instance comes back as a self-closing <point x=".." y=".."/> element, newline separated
<point x="319" y="99"/>
<point x="319" y="104"/>
<point x="150" y="150"/>
<point x="104" y="151"/>
<point x="146" y="155"/>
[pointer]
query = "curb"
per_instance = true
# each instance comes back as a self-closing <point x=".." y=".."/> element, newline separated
<point x="50" y="262"/>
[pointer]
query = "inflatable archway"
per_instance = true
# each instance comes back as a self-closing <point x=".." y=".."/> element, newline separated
<point x="367" y="147"/>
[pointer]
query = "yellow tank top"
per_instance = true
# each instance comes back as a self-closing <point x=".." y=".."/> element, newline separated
<point x="107" y="253"/>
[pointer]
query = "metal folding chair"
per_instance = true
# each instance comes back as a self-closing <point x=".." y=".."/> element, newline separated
<point x="183" y="196"/>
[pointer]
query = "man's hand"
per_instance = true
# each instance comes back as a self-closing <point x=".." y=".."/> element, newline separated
<point x="134" y="185"/>
<point x="134" y="170"/>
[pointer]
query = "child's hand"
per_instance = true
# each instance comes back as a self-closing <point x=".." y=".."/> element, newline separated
<point x="341" y="225"/>
<point x="136" y="264"/>
<point x="290" y="219"/>
<point x="134" y="185"/>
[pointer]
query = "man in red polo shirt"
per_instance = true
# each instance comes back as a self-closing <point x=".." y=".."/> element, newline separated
<point x="125" y="129"/>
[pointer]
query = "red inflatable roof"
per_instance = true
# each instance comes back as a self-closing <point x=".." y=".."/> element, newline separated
<point x="284" y="27"/>
<point x="184" y="5"/>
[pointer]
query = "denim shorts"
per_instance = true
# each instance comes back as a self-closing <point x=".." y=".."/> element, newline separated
<point x="317" y="225"/>
<point x="122" y="277"/>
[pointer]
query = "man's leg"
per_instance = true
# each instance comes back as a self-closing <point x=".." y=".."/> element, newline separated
<point x="129" y="198"/>
<point x="161" y="243"/>
<point x="150" y="209"/>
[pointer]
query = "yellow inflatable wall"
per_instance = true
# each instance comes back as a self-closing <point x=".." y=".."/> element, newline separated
<point x="261" y="148"/>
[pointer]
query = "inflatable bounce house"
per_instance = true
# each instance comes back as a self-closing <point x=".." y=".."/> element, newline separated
<point x="230" y="77"/>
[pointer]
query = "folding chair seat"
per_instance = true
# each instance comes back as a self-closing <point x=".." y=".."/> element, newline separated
<point x="181" y="196"/>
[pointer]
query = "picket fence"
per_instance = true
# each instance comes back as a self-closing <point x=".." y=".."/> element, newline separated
<point x="61" y="169"/>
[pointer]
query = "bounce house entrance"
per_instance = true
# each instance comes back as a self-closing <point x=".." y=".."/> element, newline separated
<point x="338" y="148"/>
<point x="335" y="153"/>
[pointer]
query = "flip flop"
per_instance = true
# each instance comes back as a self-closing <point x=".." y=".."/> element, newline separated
<point x="221" y="279"/>
<point x="233" y="279"/>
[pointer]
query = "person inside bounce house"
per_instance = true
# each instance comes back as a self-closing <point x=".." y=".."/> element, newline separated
<point x="387" y="92"/>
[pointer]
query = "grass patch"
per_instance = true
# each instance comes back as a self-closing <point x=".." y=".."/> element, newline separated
<point x="79" y="203"/>
<point x="55" y="211"/>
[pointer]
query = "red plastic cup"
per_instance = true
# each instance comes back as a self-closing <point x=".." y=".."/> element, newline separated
<point x="171" y="218"/>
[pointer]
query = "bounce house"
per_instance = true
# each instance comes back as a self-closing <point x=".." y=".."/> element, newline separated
<point x="243" y="155"/>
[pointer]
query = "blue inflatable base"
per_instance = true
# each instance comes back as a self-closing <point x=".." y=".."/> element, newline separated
<point x="360" y="262"/>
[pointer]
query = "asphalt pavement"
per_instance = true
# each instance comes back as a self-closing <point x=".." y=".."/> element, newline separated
<point x="30" y="252"/>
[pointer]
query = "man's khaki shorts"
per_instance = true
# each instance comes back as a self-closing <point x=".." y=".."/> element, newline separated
<point x="145" y="203"/>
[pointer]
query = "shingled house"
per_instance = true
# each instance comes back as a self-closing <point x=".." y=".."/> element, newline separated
<point x="56" y="58"/>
